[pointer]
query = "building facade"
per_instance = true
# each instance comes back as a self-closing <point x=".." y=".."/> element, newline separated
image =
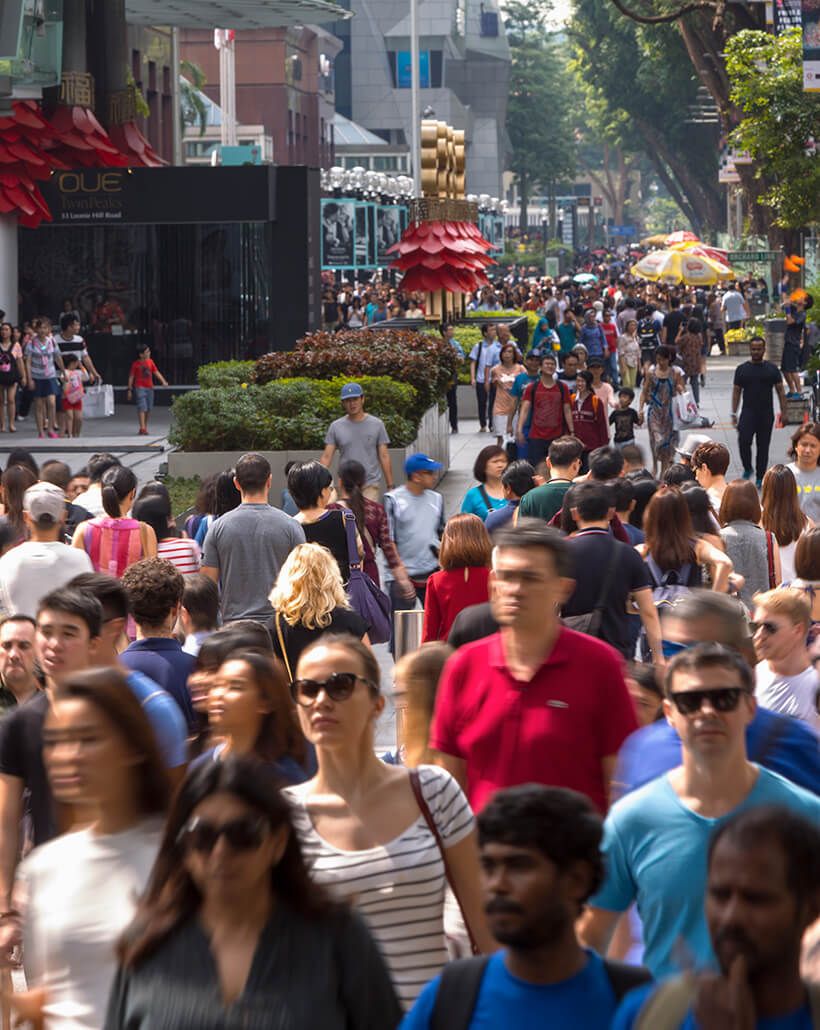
<point x="464" y="76"/>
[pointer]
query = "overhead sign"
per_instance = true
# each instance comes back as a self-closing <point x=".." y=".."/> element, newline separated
<point x="747" y="257"/>
<point x="621" y="230"/>
<point x="786" y="16"/>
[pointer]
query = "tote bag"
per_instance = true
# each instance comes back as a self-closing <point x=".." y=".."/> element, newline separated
<point x="365" y="597"/>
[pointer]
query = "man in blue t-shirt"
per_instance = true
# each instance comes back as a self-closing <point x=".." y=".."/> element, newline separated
<point x="762" y="894"/>
<point x="532" y="363"/>
<point x="656" y="838"/>
<point x="540" y="860"/>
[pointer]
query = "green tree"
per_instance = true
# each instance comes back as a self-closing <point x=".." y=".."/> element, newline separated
<point x="193" y="109"/>
<point x="540" y="130"/>
<point x="777" y="120"/>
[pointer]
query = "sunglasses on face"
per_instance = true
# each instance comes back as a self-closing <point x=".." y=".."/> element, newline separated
<point x="722" y="699"/>
<point x="245" y="834"/>
<point x="769" y="628"/>
<point x="338" y="687"/>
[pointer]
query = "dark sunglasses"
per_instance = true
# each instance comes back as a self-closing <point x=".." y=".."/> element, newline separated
<point x="244" y="834"/>
<point x="769" y="628"/>
<point x="338" y="687"/>
<point x="722" y="699"/>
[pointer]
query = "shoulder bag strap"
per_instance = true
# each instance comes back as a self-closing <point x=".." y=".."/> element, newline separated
<point x="458" y="993"/>
<point x="415" y="784"/>
<point x="350" y="531"/>
<point x="485" y="497"/>
<point x="280" y="637"/>
<point x="770" y="559"/>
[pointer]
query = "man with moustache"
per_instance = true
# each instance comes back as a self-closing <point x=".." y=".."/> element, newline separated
<point x="762" y="894"/>
<point x="540" y="861"/>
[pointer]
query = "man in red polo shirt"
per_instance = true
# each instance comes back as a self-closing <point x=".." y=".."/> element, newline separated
<point x="535" y="702"/>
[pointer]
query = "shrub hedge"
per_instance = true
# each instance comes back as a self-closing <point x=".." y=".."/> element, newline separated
<point x="284" y="414"/>
<point x="225" y="373"/>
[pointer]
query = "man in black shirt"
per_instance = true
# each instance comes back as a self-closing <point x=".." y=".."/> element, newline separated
<point x="608" y="573"/>
<point x="755" y="380"/>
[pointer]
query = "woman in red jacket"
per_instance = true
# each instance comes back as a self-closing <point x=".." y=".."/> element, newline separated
<point x="589" y="418"/>
<point x="464" y="557"/>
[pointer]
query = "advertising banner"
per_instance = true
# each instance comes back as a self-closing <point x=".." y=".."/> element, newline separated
<point x="388" y="231"/>
<point x="811" y="45"/>
<point x="338" y="233"/>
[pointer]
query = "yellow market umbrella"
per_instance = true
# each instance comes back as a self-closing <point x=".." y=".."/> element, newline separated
<point x="676" y="266"/>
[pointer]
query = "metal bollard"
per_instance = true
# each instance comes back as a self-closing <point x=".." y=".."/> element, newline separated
<point x="407" y="627"/>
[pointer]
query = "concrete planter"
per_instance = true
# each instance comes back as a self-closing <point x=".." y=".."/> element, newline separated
<point x="433" y="439"/>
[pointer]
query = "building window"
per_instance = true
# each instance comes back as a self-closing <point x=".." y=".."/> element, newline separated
<point x="401" y="68"/>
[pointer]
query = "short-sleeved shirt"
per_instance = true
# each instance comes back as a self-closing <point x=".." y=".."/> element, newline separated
<point x="592" y="551"/>
<point x="547" y="411"/>
<point x="757" y="379"/>
<point x="249" y="545"/>
<point x="655" y="851"/>
<point x="808" y="490"/>
<point x="734" y="307"/>
<point x="795" y="696"/>
<point x="163" y="660"/>
<point x="33" y="569"/>
<point x="359" y="441"/>
<point x="556" y="730"/>
<point x="630" y="1008"/>
<point x="165" y="716"/>
<point x="21" y="756"/>
<point x="485" y="355"/>
<point x="41" y="355"/>
<point x="297" y="638"/>
<point x="544" y="502"/>
<point x="143" y="372"/>
<point x="74" y="345"/>
<point x="624" y="420"/>
<point x="398" y="887"/>
<point x="584" y="1000"/>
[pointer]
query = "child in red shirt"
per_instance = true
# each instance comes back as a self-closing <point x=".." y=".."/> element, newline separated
<point x="141" y="382"/>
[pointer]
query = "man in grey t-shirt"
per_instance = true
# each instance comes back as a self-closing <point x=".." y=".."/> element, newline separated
<point x="246" y="547"/>
<point x="360" y="437"/>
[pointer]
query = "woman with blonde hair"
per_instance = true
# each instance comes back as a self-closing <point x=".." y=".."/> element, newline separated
<point x="309" y="599"/>
<point x="464" y="557"/>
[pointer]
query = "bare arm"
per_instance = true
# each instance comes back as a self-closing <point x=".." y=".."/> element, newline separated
<point x="456" y="767"/>
<point x="719" y="564"/>
<point x="651" y="623"/>
<point x="11" y="812"/>
<point x="472" y="372"/>
<point x="736" y="391"/>
<point x="595" y="928"/>
<point x="89" y="364"/>
<point x="462" y="860"/>
<point x="162" y="379"/>
<point x="568" y="419"/>
<point x="522" y="418"/>
<point x="210" y="572"/>
<point x="327" y="454"/>
<point x="781" y="396"/>
<point x="387" y="467"/>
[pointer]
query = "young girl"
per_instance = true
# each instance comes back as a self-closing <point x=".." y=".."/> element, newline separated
<point x="42" y="355"/>
<point x="73" y="391"/>
<point x="12" y="372"/>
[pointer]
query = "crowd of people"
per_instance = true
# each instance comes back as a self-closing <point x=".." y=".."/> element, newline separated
<point x="601" y="805"/>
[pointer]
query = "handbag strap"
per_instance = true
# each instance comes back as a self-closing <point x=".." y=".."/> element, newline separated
<point x="280" y="637"/>
<point x="350" y="532"/>
<point x="770" y="559"/>
<point x="415" y="783"/>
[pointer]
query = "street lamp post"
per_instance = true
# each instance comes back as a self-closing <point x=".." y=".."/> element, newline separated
<point x="544" y="225"/>
<point x="415" y="142"/>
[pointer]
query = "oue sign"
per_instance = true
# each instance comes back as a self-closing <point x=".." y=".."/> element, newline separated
<point x="90" y="182"/>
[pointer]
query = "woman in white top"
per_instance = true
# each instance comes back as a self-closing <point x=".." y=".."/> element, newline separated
<point x="782" y="515"/>
<point x="81" y="889"/>
<point x="362" y="832"/>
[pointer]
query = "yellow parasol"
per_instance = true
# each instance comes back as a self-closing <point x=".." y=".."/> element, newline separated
<point x="676" y="266"/>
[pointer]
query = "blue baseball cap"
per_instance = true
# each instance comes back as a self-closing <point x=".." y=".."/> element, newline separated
<point x="421" y="463"/>
<point x="351" y="390"/>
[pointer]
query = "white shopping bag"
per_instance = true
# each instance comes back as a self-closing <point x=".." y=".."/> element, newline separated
<point x="98" y="401"/>
<point x="685" y="412"/>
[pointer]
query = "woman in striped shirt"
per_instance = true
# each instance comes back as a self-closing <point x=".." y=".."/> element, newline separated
<point x="155" y="511"/>
<point x="363" y="833"/>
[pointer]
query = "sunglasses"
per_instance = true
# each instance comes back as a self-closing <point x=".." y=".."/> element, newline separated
<point x="769" y="628"/>
<point x="722" y="699"/>
<point x="338" y="687"/>
<point x="245" y="834"/>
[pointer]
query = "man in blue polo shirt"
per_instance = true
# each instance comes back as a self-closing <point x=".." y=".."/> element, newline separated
<point x="532" y="364"/>
<point x="155" y="587"/>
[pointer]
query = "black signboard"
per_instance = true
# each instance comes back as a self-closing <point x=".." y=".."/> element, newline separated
<point x="787" y="15"/>
<point x="161" y="196"/>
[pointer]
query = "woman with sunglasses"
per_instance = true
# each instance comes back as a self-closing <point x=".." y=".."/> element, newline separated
<point x="250" y="712"/>
<point x="102" y="759"/>
<point x="232" y="933"/>
<point x="372" y="832"/>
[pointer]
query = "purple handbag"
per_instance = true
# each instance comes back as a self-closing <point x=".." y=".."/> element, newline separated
<point x="365" y="597"/>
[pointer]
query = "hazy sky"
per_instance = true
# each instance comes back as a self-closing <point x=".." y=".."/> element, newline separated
<point x="562" y="8"/>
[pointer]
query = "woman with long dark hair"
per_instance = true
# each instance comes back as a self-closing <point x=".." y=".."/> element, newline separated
<point x="753" y="550"/>
<point x="782" y="514"/>
<point x="671" y="549"/>
<point x="154" y="510"/>
<point x="116" y="540"/>
<point x="13" y="485"/>
<point x="232" y="932"/>
<point x="102" y="760"/>
<point x="226" y="497"/>
<point x="371" y="522"/>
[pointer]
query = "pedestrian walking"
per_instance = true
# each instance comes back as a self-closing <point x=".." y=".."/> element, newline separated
<point x="360" y="437"/>
<point x="660" y="385"/>
<point x="141" y="385"/>
<point x="754" y="381"/>
<point x="805" y="466"/>
<point x="415" y="517"/>
<point x="483" y="356"/>
<point x="464" y="557"/>
<point x="546" y="408"/>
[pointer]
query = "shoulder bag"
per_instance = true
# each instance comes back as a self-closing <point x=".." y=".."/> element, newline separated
<point x="281" y="638"/>
<point x="365" y="597"/>
<point x="415" y="783"/>
<point x="590" y="622"/>
<point x="770" y="560"/>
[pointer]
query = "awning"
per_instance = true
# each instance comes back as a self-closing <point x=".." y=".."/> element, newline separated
<point x="232" y="14"/>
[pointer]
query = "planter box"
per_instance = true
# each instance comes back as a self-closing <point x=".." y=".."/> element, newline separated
<point x="433" y="438"/>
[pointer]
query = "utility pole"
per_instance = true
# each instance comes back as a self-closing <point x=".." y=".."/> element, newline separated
<point x="415" y="142"/>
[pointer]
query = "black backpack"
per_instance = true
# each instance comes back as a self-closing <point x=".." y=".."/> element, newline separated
<point x="461" y="981"/>
<point x="8" y="372"/>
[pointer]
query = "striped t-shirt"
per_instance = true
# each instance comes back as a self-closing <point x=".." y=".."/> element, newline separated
<point x="183" y="553"/>
<point x="397" y="887"/>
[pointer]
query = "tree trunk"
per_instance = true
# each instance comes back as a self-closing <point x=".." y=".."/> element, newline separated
<point x="524" y="200"/>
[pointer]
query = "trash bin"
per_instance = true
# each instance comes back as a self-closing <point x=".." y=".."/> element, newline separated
<point x="775" y="338"/>
<point x="407" y="627"/>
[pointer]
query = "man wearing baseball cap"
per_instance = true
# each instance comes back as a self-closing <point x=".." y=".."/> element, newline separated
<point x="415" y="516"/>
<point x="43" y="563"/>
<point x="360" y="437"/>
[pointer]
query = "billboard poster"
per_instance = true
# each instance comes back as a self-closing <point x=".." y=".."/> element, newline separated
<point x="786" y="15"/>
<point x="361" y="247"/>
<point x="811" y="45"/>
<point x="388" y="231"/>
<point x="338" y="233"/>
